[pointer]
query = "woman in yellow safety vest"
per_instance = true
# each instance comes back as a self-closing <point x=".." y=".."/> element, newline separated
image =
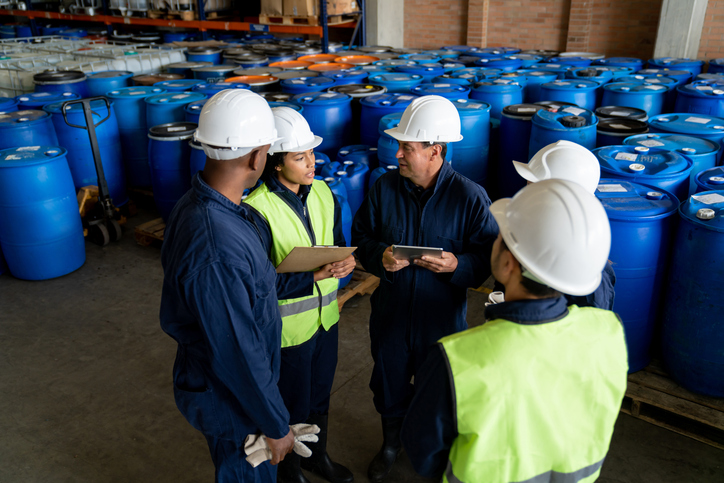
<point x="293" y="209"/>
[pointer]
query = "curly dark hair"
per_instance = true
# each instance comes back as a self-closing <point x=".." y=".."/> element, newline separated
<point x="272" y="161"/>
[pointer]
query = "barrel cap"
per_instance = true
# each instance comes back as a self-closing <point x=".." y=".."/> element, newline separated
<point x="358" y="90"/>
<point x="705" y="209"/>
<point x="703" y="88"/>
<point x="687" y="145"/>
<point x="247" y="59"/>
<point x="173" y="130"/>
<point x="629" y="161"/>
<point x="175" y="98"/>
<point x="628" y="127"/>
<point x="624" y="200"/>
<point x="521" y="111"/>
<point x="137" y="92"/>
<point x="196" y="106"/>
<point x="624" y="112"/>
<point x="29" y="155"/>
<point x="573" y="121"/>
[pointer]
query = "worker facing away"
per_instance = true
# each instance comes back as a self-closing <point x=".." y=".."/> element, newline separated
<point x="219" y="299"/>
<point x="424" y="203"/>
<point x="533" y="394"/>
<point x="293" y="209"/>
<point x="573" y="162"/>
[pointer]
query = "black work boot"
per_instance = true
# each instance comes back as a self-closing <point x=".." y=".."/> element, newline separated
<point x="320" y="463"/>
<point x="288" y="470"/>
<point x="391" y="448"/>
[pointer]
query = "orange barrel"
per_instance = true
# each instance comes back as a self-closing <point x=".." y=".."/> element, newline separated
<point x="319" y="58"/>
<point x="258" y="83"/>
<point x="151" y="79"/>
<point x="357" y="59"/>
<point x="291" y="64"/>
<point x="330" y="66"/>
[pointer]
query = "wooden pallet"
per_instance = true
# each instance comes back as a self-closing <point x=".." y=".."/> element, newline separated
<point x="340" y="19"/>
<point x="150" y="232"/>
<point x="187" y="15"/>
<point x="653" y="397"/>
<point x="311" y="21"/>
<point x="362" y="283"/>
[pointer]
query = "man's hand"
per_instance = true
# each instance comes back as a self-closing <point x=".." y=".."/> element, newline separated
<point x="448" y="263"/>
<point x="343" y="268"/>
<point x="280" y="447"/>
<point x="323" y="273"/>
<point x="390" y="263"/>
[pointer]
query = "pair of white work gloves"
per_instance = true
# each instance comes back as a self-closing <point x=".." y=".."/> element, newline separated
<point x="257" y="449"/>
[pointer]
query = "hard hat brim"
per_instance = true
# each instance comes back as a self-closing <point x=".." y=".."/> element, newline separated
<point x="201" y="140"/>
<point x="400" y="136"/>
<point x="304" y="147"/>
<point x="525" y="172"/>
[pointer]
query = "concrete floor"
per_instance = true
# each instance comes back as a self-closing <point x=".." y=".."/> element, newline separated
<point x="85" y="384"/>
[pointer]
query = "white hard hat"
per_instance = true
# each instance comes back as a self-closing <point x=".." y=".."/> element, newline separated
<point x="233" y="123"/>
<point x="294" y="132"/>
<point x="428" y="119"/>
<point x="563" y="160"/>
<point x="558" y="232"/>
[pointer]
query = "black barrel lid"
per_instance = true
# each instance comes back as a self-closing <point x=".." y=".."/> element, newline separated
<point x="268" y="48"/>
<point x="295" y="74"/>
<point x="259" y="71"/>
<point x="110" y="73"/>
<point x="358" y="90"/>
<point x="621" y="112"/>
<point x="588" y="72"/>
<point x="522" y="111"/>
<point x="555" y="104"/>
<point x="248" y="58"/>
<point x="276" y="96"/>
<point x="404" y="50"/>
<point x="543" y="53"/>
<point x="628" y="126"/>
<point x="573" y="121"/>
<point x="173" y="130"/>
<point x="203" y="50"/>
<point x="307" y="50"/>
<point x="59" y="77"/>
<point x="235" y="51"/>
<point x="374" y="48"/>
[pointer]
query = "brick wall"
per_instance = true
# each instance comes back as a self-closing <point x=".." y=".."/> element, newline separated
<point x="528" y="24"/>
<point x="431" y="24"/>
<point x="712" y="35"/>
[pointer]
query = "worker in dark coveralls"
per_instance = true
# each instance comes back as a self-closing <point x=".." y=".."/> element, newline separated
<point x="219" y="297"/>
<point x="532" y="395"/>
<point x="424" y="203"/>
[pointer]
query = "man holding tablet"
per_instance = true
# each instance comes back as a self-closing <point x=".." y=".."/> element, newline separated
<point x="424" y="204"/>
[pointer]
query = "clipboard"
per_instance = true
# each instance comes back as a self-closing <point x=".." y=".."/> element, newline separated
<point x="305" y="259"/>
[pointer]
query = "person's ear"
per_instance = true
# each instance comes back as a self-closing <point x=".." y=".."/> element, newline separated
<point x="257" y="160"/>
<point x="436" y="150"/>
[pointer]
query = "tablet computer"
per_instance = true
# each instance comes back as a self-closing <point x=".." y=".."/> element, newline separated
<point x="404" y="252"/>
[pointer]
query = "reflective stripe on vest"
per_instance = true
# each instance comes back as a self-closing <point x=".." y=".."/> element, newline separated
<point x="302" y="316"/>
<point x="536" y="403"/>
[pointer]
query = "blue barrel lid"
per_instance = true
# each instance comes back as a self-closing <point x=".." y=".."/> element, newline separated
<point x="635" y="88"/>
<point x="109" y="74"/>
<point x="574" y="61"/>
<point x="624" y="200"/>
<point x="440" y="89"/>
<point x="570" y="117"/>
<point x="467" y="59"/>
<point x="676" y="62"/>
<point x="470" y="105"/>
<point x="356" y="75"/>
<point x="10" y="119"/>
<point x="443" y="53"/>
<point x="178" y="84"/>
<point x="389" y="121"/>
<point x="527" y="57"/>
<point x="7" y="102"/>
<point x="395" y="77"/>
<point x="719" y="61"/>
<point x="175" y="98"/>
<point x="621" y="61"/>
<point x="29" y="155"/>
<point x="493" y="51"/>
<point x="388" y="99"/>
<point x="497" y="87"/>
<point x="711" y="179"/>
<point x="459" y="48"/>
<point x="694" y="124"/>
<point x="373" y="69"/>
<point x="686" y="145"/>
<point x="394" y="62"/>
<point x="451" y="67"/>
<point x="422" y="69"/>
<point x="640" y="162"/>
<point x="717" y="77"/>
<point x="298" y="82"/>
<point x="670" y="82"/>
<point x="134" y="92"/>
<point x="616" y="70"/>
<point x="290" y="105"/>
<point x="213" y="88"/>
<point x="509" y="78"/>
<point x="510" y="63"/>
<point x="195" y="107"/>
<point x="449" y="79"/>
<point x="320" y="98"/>
<point x="680" y="75"/>
<point x="703" y="88"/>
<point x="537" y="74"/>
<point x="39" y="99"/>
<point x="557" y="67"/>
<point x="55" y="107"/>
<point x="421" y="58"/>
<point x="705" y="209"/>
<point x="572" y="84"/>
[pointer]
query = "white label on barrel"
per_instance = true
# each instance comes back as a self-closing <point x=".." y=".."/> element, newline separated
<point x="405" y="98"/>
<point x="29" y="148"/>
<point x="619" y="126"/>
<point x="562" y="83"/>
<point x="295" y="81"/>
<point x="13" y="156"/>
<point x="711" y="199"/>
<point x="651" y="80"/>
<point x="704" y="88"/>
<point x="620" y="113"/>
<point x="627" y="156"/>
<point x="137" y="93"/>
<point x="553" y="65"/>
<point x="328" y="95"/>
<point x="180" y="96"/>
<point x="174" y="129"/>
<point x="611" y="188"/>
<point x="698" y="120"/>
<point x="574" y="110"/>
<point x="441" y="85"/>
<point x="527" y="109"/>
<point x="651" y="143"/>
<point x="654" y="88"/>
<point x="42" y="94"/>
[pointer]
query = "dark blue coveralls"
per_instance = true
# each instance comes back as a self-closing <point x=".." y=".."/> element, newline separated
<point x="414" y="307"/>
<point x="307" y="370"/>
<point x="219" y="303"/>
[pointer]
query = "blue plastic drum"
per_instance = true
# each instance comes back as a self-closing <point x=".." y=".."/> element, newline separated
<point x="573" y="124"/>
<point x="36" y="100"/>
<point x="79" y="153"/>
<point x="692" y="335"/>
<point x="62" y="81"/>
<point x="557" y="68"/>
<point x="579" y="92"/>
<point x="697" y="125"/>
<point x="320" y="161"/>
<point x="214" y="73"/>
<point x="204" y="54"/>
<point x="355" y="177"/>
<point x="27" y="128"/>
<point x="360" y="153"/>
<point x="682" y="76"/>
<point x="692" y="65"/>
<point x="180" y="85"/>
<point x="387" y="146"/>
<point x="169" y="107"/>
<point x="329" y="115"/>
<point x="101" y="82"/>
<point x="669" y="82"/>
<point x="716" y="66"/>
<point x="396" y="82"/>
<point x="374" y="108"/>
<point x="515" y="129"/>
<point x="621" y="112"/>
<point x="41" y="234"/>
<point x="169" y="156"/>
<point x="711" y="179"/>
<point x="527" y="59"/>
<point x="130" y="111"/>
<point x="346" y="231"/>
<point x="211" y="89"/>
<point x="8" y="104"/>
<point x="302" y="85"/>
<point x="192" y="110"/>
<point x="357" y="92"/>
<point x="377" y="173"/>
<point x="648" y="97"/>
<point x="197" y="160"/>
<point x="612" y="132"/>
<point x="534" y="79"/>
<point x="498" y="95"/>
<point x="632" y="62"/>
<point x="449" y="79"/>
<point x="703" y="97"/>
<point x="702" y="152"/>
<point x="641" y="219"/>
<point x="348" y="76"/>
<point x="448" y="91"/>
<point x="570" y="61"/>
<point x="185" y="68"/>
<point x="665" y="170"/>
<point x="508" y="64"/>
<point x="471" y="155"/>
<point x="427" y="71"/>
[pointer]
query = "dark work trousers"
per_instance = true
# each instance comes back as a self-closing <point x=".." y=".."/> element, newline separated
<point x="307" y="373"/>
<point x="232" y="467"/>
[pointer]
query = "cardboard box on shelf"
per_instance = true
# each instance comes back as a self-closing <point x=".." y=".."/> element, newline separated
<point x="301" y="8"/>
<point x="272" y="7"/>
<point x="339" y="7"/>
